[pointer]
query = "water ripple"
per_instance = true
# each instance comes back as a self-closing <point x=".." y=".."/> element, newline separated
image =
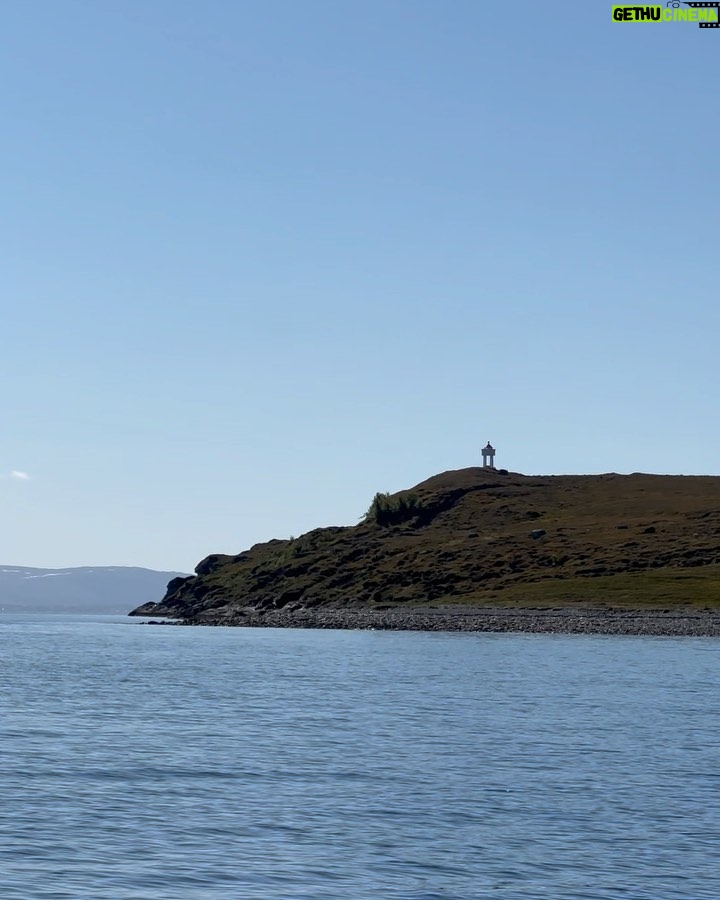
<point x="189" y="764"/>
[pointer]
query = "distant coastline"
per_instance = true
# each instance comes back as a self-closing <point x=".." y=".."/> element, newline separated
<point x="107" y="590"/>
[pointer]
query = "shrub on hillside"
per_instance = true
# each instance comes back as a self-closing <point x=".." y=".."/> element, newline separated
<point x="388" y="509"/>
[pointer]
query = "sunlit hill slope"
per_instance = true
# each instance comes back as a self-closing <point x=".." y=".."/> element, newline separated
<point x="483" y="537"/>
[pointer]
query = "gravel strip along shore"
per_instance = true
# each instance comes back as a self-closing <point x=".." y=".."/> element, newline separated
<point x="679" y="623"/>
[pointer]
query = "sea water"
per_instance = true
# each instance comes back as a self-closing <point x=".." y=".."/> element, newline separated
<point x="146" y="762"/>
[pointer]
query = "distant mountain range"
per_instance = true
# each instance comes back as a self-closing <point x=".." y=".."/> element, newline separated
<point x="112" y="590"/>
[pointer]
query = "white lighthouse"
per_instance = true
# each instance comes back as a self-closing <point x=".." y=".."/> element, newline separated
<point x="488" y="455"/>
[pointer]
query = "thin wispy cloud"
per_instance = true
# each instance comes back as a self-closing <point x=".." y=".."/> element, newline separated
<point x="18" y="475"/>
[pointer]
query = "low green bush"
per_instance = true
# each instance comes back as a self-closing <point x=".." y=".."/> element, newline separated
<point x="391" y="509"/>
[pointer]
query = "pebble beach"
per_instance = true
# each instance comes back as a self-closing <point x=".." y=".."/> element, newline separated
<point x="566" y="620"/>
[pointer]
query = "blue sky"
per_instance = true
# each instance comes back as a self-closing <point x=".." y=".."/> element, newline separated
<point x="261" y="260"/>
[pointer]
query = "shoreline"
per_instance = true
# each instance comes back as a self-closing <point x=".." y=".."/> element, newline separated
<point x="497" y="620"/>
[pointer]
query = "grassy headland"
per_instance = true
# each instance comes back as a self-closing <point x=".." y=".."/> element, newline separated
<point x="482" y="538"/>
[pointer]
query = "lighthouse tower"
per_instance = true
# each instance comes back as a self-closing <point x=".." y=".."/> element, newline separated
<point x="488" y="455"/>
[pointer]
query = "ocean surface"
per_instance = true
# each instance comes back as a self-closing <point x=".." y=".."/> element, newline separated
<point x="147" y="762"/>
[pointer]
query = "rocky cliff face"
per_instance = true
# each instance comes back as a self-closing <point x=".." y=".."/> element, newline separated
<point x="480" y="537"/>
